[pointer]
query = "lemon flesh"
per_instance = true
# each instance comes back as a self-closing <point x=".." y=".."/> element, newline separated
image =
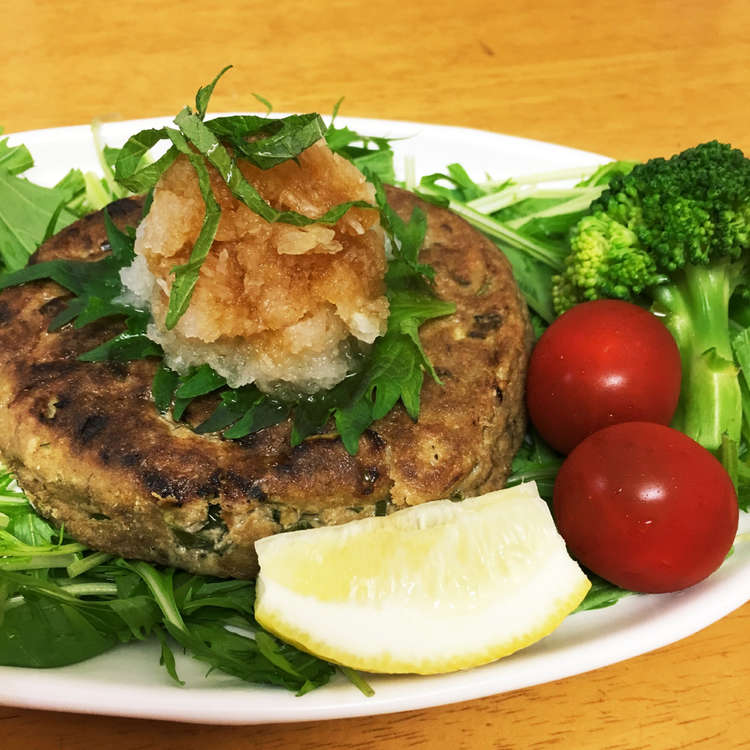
<point x="434" y="588"/>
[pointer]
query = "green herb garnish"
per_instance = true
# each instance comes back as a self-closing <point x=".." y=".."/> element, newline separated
<point x="371" y="154"/>
<point x="61" y="603"/>
<point x="392" y="370"/>
<point x="528" y="218"/>
<point x="30" y="213"/>
<point x="259" y="140"/>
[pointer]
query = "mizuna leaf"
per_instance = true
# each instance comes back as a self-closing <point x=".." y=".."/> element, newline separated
<point x="14" y="159"/>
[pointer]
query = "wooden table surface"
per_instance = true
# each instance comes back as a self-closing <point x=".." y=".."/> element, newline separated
<point x="629" y="78"/>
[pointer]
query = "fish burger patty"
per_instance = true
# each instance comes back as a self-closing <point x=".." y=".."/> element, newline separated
<point x="92" y="452"/>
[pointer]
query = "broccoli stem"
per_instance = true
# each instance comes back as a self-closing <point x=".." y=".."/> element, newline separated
<point x="695" y="307"/>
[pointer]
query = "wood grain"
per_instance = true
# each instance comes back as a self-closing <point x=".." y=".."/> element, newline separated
<point x="629" y="78"/>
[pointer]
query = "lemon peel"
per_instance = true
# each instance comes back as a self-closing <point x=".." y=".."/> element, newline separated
<point x="434" y="588"/>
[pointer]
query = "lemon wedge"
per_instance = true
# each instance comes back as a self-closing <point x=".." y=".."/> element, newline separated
<point x="434" y="588"/>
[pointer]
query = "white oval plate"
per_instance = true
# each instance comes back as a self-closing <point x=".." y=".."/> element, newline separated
<point x="128" y="680"/>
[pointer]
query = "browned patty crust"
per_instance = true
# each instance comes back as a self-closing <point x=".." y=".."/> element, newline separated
<point x="92" y="452"/>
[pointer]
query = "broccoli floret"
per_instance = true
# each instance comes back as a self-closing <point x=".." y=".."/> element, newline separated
<point x="674" y="234"/>
<point x="605" y="260"/>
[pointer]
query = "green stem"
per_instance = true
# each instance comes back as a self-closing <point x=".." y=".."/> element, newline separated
<point x="696" y="311"/>
<point x="558" y="175"/>
<point x="75" y="589"/>
<point x="543" y="473"/>
<point x="84" y="564"/>
<point x="570" y="199"/>
<point x="39" y="561"/>
<point x="160" y="585"/>
<point x="544" y="253"/>
<point x="576" y="202"/>
<point x="357" y="680"/>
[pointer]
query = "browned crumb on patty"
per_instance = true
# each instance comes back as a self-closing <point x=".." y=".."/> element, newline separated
<point x="92" y="452"/>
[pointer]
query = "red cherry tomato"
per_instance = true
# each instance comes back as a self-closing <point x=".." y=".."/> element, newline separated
<point x="598" y="364"/>
<point x="645" y="507"/>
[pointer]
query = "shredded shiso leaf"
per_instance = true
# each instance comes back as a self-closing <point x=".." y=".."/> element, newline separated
<point x="392" y="371"/>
